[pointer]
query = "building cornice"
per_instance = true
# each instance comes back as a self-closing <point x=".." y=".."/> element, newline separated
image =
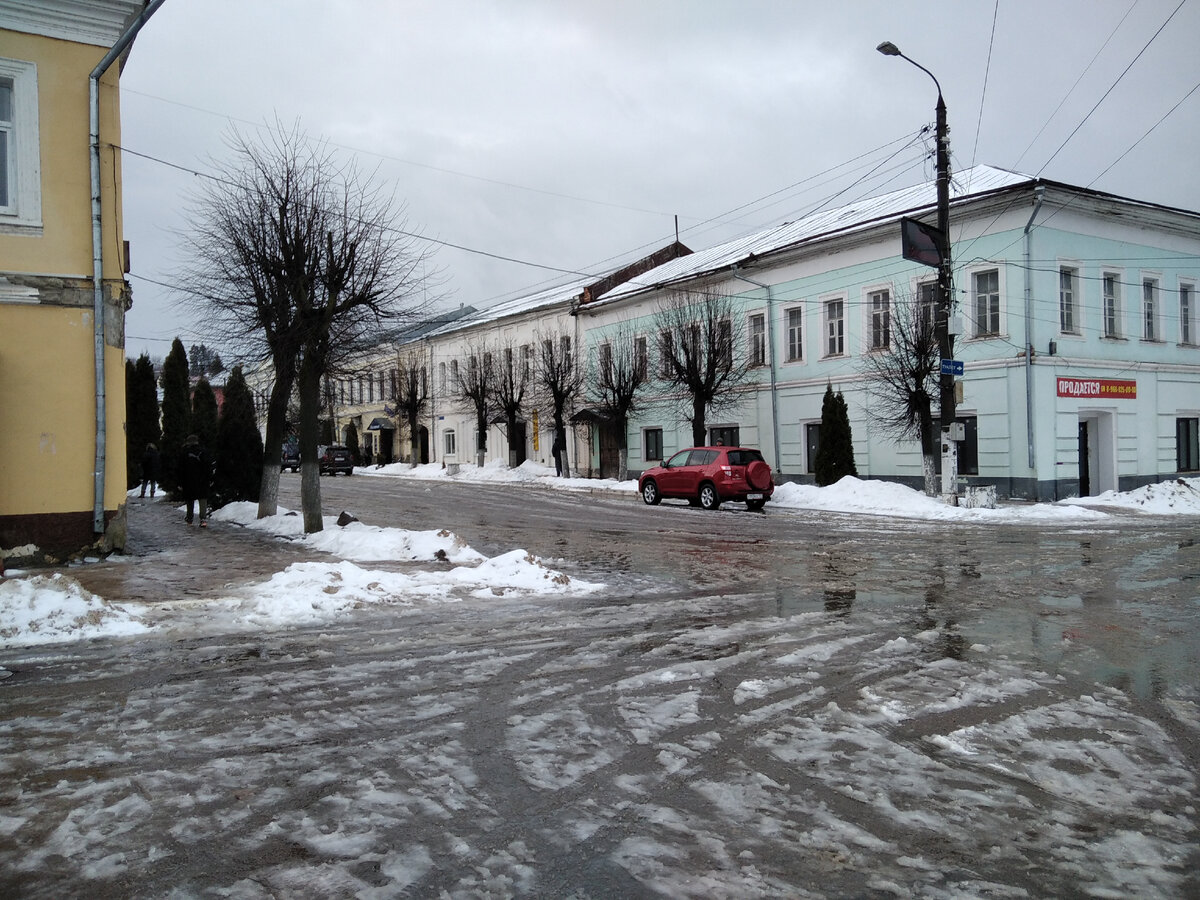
<point x="96" y="22"/>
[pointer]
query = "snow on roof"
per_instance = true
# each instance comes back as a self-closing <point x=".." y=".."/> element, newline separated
<point x="552" y="296"/>
<point x="858" y="214"/>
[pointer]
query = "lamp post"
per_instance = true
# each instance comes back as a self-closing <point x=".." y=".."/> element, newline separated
<point x="945" y="277"/>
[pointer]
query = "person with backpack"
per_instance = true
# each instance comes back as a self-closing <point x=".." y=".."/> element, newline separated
<point x="195" y="477"/>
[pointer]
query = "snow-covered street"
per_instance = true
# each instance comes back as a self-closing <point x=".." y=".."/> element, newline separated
<point x="464" y="726"/>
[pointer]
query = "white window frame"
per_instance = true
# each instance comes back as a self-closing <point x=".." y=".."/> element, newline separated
<point x="1110" y="304"/>
<point x="1070" y="320"/>
<point x="449" y="444"/>
<point x="1151" y="307"/>
<point x="984" y="330"/>
<point x="24" y="209"/>
<point x="795" y="333"/>
<point x="833" y="328"/>
<point x="878" y="327"/>
<point x="1187" y="312"/>
<point x="641" y="356"/>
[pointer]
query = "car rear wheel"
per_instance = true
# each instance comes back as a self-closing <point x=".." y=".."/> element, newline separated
<point x="709" y="499"/>
<point x="650" y="493"/>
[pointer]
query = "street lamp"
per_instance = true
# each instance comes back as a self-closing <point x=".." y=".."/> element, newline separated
<point x="945" y="277"/>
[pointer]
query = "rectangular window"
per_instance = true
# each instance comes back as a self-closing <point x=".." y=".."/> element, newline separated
<point x="641" y="357"/>
<point x="454" y="374"/>
<point x="605" y="359"/>
<point x="1150" y="309"/>
<point x="6" y="134"/>
<point x="795" y="331"/>
<point x="1187" y="444"/>
<point x="370" y="389"/>
<point x="424" y="382"/>
<point x="20" y="148"/>
<point x="756" y="330"/>
<point x="725" y="436"/>
<point x="927" y="300"/>
<point x="442" y="377"/>
<point x="835" y="327"/>
<point x="724" y="346"/>
<point x="881" y="319"/>
<point x="1187" y="314"/>
<point x="666" y="348"/>
<point x="526" y="360"/>
<point x="812" y="445"/>
<point x="652" y="444"/>
<point x="1111" y="293"/>
<point x="1068" y="313"/>
<point x="565" y="345"/>
<point x="449" y="442"/>
<point x="987" y="302"/>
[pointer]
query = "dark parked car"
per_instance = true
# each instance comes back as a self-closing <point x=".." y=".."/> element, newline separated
<point x="708" y="476"/>
<point x="336" y="458"/>
<point x="290" y="458"/>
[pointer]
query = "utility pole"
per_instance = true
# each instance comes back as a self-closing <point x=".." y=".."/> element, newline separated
<point x="947" y="402"/>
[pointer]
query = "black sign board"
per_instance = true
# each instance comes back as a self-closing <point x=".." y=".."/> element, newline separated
<point x="920" y="242"/>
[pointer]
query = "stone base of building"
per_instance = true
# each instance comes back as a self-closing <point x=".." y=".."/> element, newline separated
<point x="53" y="538"/>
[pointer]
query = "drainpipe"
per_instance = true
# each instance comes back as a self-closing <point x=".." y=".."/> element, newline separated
<point x="98" y="254"/>
<point x="1038" y="196"/>
<point x="737" y="273"/>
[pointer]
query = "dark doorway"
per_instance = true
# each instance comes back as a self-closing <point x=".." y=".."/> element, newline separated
<point x="1085" y="481"/>
<point x="610" y="452"/>
<point x="423" y="443"/>
<point x="386" y="449"/>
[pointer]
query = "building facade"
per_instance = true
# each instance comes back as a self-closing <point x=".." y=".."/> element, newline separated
<point x="1075" y="327"/>
<point x="63" y="294"/>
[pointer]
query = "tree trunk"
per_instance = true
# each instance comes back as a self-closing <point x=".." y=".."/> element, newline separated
<point x="481" y="441"/>
<point x="310" y="466"/>
<point x="929" y="454"/>
<point x="698" y="422"/>
<point x="414" y="443"/>
<point x="268" y="491"/>
<point x="510" y="425"/>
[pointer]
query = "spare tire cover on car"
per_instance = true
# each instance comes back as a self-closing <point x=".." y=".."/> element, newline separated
<point x="758" y="473"/>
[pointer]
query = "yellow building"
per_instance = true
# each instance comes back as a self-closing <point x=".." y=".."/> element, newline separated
<point x="63" y="293"/>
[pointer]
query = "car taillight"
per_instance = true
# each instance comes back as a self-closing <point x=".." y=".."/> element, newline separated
<point x="728" y="470"/>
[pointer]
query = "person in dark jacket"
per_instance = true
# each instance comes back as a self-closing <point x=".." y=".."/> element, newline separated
<point x="151" y="464"/>
<point x="195" y="476"/>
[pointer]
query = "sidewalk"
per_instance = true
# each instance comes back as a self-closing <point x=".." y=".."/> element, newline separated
<point x="166" y="559"/>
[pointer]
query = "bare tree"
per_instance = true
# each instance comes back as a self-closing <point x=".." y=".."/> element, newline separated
<point x="512" y="378"/>
<point x="558" y="384"/>
<point x="473" y="376"/>
<point x="299" y="260"/>
<point x="619" y="376"/>
<point x="903" y="376"/>
<point x="411" y="398"/>
<point x="699" y="354"/>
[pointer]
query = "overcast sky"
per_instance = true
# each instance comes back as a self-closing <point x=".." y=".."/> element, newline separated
<point x="569" y="135"/>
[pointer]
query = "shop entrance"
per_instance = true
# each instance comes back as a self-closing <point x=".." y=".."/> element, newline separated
<point x="1097" y="454"/>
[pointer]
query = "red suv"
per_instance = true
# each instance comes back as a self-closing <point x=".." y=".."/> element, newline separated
<point x="708" y="476"/>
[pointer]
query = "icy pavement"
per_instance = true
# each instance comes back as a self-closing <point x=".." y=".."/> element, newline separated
<point x="529" y="748"/>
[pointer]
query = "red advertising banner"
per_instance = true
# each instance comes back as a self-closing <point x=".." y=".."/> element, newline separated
<point x="1085" y="388"/>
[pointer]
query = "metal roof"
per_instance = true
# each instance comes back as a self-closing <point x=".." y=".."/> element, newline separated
<point x="562" y="293"/>
<point x="860" y="214"/>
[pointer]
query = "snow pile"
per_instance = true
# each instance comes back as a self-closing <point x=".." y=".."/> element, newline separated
<point x="497" y="471"/>
<point x="50" y="609"/>
<point x="46" y="609"/>
<point x="887" y="498"/>
<point x="1178" y="497"/>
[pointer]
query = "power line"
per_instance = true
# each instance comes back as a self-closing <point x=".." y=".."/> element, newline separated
<point x="1112" y="86"/>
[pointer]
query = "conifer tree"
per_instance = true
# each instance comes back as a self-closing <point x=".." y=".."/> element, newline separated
<point x="176" y="413"/>
<point x="204" y="416"/>
<point x="141" y="413"/>
<point x="239" y="445"/>
<point x="835" y="454"/>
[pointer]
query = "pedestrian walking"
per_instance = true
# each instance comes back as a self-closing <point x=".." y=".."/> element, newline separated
<point x="151" y="466"/>
<point x="195" y="477"/>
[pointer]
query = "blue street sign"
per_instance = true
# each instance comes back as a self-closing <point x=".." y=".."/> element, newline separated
<point x="952" y="367"/>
